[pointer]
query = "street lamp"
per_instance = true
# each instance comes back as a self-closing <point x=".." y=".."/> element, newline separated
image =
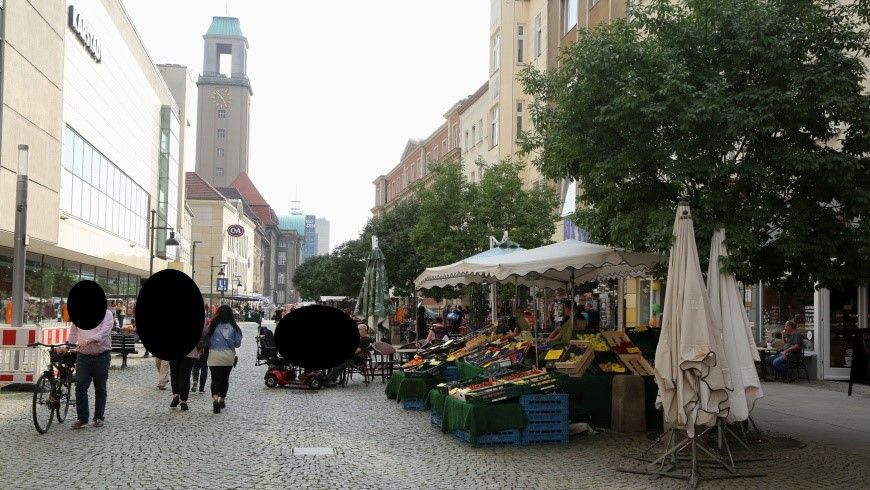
<point x="20" y="245"/>
<point x="193" y="260"/>
<point x="170" y="242"/>
<point x="211" y="279"/>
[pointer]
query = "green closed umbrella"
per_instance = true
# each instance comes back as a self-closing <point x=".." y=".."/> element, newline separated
<point x="372" y="302"/>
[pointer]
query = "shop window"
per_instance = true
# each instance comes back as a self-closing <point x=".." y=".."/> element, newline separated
<point x="781" y="306"/>
<point x="844" y="324"/>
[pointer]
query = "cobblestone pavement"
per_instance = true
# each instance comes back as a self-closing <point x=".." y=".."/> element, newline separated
<point x="145" y="444"/>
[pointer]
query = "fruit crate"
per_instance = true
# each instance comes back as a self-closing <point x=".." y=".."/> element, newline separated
<point x="637" y="364"/>
<point x="503" y="438"/>
<point x="413" y="404"/>
<point x="615" y="338"/>
<point x="545" y="408"/>
<point x="436" y="420"/>
<point x="577" y="368"/>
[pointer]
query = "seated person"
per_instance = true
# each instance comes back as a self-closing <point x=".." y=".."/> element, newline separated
<point x="357" y="359"/>
<point x="790" y="350"/>
<point x="437" y="331"/>
<point x="777" y="341"/>
<point x="267" y="343"/>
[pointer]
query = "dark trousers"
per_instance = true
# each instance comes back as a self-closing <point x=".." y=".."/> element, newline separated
<point x="200" y="372"/>
<point x="179" y="376"/>
<point x="220" y="380"/>
<point x="96" y="369"/>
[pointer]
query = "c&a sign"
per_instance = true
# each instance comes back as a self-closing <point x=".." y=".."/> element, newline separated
<point x="235" y="230"/>
<point x="83" y="31"/>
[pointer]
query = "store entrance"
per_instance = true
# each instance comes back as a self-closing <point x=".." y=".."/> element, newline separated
<point x="847" y="316"/>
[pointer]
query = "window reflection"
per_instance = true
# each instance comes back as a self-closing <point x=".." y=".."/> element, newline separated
<point x="95" y="190"/>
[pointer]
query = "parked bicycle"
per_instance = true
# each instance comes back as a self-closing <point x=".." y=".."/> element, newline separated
<point x="53" y="393"/>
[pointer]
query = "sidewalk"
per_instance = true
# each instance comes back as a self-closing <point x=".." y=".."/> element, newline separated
<point x="817" y="412"/>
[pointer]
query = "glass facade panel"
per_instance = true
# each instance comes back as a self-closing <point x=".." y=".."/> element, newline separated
<point x="98" y="192"/>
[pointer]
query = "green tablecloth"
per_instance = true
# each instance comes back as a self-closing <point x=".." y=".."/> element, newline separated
<point x="481" y="419"/>
<point x="401" y="387"/>
<point x="468" y="371"/>
<point x="435" y="401"/>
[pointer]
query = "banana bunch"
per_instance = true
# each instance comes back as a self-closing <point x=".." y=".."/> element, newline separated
<point x="595" y="340"/>
<point x="611" y="367"/>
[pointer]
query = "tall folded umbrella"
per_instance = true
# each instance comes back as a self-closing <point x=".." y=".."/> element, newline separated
<point x="690" y="367"/>
<point x="373" y="296"/>
<point x="737" y="337"/>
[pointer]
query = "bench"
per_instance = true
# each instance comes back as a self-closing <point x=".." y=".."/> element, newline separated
<point x="125" y="344"/>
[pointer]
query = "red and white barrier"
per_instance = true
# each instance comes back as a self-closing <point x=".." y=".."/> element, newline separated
<point x="22" y="364"/>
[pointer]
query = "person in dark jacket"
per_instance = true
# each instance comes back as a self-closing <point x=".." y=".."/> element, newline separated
<point x="421" y="322"/>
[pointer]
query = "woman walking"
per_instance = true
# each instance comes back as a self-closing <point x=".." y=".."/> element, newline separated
<point x="200" y="365"/>
<point x="224" y="336"/>
<point x="179" y="376"/>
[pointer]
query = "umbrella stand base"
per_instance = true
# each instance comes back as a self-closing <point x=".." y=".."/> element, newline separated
<point x="671" y="460"/>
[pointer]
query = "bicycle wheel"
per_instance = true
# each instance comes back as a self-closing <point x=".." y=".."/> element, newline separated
<point x="65" y="389"/>
<point x="44" y="403"/>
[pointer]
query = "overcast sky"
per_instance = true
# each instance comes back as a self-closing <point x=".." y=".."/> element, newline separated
<point x="339" y="87"/>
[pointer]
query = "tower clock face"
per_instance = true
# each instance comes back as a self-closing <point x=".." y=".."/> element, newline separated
<point x="221" y="97"/>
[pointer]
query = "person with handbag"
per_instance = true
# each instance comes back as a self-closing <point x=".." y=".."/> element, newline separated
<point x="224" y="337"/>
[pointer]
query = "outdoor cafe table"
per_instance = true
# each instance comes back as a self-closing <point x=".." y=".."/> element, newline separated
<point x="763" y="352"/>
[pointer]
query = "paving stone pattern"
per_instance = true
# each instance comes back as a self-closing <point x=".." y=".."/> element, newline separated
<point x="145" y="444"/>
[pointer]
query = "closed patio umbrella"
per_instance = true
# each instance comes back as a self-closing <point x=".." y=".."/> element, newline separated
<point x="690" y="366"/>
<point x="739" y="345"/>
<point x="373" y="296"/>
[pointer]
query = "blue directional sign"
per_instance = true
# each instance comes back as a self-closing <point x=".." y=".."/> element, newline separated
<point x="222" y="284"/>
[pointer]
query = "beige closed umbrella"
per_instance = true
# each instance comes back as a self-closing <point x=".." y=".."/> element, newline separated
<point x="738" y="342"/>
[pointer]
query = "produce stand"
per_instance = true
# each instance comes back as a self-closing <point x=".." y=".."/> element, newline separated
<point x="401" y="388"/>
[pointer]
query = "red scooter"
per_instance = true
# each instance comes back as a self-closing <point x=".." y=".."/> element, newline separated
<point x="281" y="372"/>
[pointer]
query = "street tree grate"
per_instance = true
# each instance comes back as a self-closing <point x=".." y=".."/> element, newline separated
<point x="312" y="451"/>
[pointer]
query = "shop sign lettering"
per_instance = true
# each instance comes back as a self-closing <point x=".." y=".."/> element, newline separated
<point x="83" y="31"/>
<point x="235" y="230"/>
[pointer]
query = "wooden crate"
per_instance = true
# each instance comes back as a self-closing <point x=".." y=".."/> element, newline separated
<point x="576" y="369"/>
<point x="615" y="338"/>
<point x="637" y="364"/>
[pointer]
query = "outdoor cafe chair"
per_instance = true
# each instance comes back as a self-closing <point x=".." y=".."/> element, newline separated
<point x="383" y="360"/>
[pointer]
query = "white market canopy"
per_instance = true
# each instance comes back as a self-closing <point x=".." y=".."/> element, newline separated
<point x="549" y="266"/>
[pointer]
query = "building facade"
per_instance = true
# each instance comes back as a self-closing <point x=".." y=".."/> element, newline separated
<point x="102" y="154"/>
<point x="291" y="233"/>
<point x="321" y="226"/>
<point x="224" y="104"/>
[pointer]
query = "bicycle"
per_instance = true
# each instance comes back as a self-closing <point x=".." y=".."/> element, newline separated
<point x="52" y="395"/>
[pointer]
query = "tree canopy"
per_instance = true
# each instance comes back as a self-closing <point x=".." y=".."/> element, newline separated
<point x="754" y="111"/>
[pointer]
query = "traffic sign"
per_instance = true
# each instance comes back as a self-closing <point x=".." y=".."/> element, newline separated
<point x="222" y="284"/>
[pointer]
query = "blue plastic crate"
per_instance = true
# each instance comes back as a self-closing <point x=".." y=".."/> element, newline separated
<point x="557" y="428"/>
<point x="545" y="408"/>
<point x="413" y="404"/>
<point x="544" y="439"/>
<point x="503" y="438"/>
<point x="451" y="373"/>
<point x="436" y="420"/>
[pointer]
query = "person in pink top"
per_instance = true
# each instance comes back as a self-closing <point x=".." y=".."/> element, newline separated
<point x="92" y="364"/>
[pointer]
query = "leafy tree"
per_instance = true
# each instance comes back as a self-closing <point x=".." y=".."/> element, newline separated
<point x="752" y="110"/>
<point x="457" y="217"/>
<point x="393" y="230"/>
<point x="314" y="277"/>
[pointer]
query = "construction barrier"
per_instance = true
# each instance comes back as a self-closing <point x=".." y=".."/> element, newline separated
<point x="22" y="364"/>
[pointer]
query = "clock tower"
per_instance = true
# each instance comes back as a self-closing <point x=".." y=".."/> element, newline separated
<point x="224" y="117"/>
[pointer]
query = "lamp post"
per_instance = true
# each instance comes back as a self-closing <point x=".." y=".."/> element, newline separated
<point x="193" y="260"/>
<point x="170" y="242"/>
<point x="221" y="273"/>
<point x="238" y="286"/>
<point x="19" y="262"/>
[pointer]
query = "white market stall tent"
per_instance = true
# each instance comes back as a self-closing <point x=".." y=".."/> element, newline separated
<point x="552" y="266"/>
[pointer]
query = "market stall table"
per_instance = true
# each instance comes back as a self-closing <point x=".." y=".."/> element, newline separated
<point x="476" y="419"/>
<point x="401" y="387"/>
